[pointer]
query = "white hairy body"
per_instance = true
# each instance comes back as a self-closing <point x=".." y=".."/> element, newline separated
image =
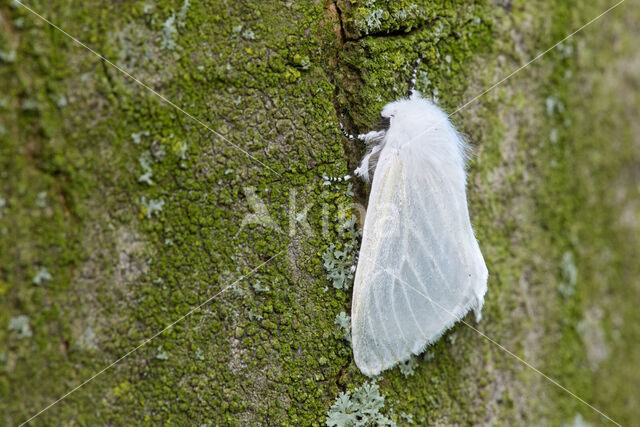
<point x="420" y="268"/>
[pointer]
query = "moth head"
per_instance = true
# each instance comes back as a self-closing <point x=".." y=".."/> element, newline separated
<point x="413" y="110"/>
<point x="389" y="111"/>
<point x="388" y="114"/>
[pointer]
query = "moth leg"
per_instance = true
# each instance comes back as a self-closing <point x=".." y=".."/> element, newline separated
<point x="373" y="140"/>
<point x="359" y="137"/>
<point x="369" y="161"/>
<point x="361" y="171"/>
<point x="412" y="85"/>
<point x="339" y="178"/>
<point x="348" y="176"/>
<point x="368" y="138"/>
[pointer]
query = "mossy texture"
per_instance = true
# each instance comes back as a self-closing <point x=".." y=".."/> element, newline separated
<point x="120" y="213"/>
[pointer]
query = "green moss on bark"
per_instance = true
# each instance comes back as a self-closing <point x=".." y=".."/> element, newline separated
<point x="275" y="79"/>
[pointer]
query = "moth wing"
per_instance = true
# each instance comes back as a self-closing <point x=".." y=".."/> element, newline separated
<point x="420" y="267"/>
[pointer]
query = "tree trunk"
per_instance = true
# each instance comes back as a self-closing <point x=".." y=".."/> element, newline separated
<point x="164" y="223"/>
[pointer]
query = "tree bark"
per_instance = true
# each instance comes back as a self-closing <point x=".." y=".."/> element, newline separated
<point x="163" y="217"/>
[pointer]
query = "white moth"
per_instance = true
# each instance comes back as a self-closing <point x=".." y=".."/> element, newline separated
<point x="420" y="268"/>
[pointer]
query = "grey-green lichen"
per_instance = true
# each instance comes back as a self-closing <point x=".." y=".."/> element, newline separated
<point x="362" y="407"/>
<point x="344" y="322"/>
<point x="41" y="276"/>
<point x="278" y="88"/>
<point x="20" y="325"/>
<point x="151" y="207"/>
<point x="339" y="261"/>
<point x="408" y="367"/>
